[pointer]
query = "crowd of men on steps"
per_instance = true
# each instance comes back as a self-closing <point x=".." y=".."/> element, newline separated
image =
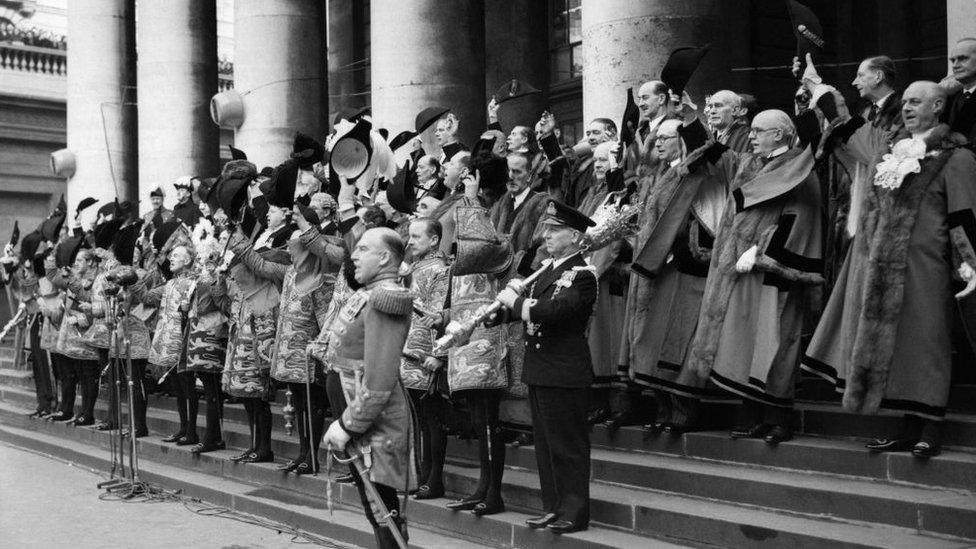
<point x="518" y="291"/>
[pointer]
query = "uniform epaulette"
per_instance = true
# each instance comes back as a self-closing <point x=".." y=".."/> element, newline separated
<point x="393" y="301"/>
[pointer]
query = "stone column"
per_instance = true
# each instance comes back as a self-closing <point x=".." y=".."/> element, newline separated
<point x="177" y="45"/>
<point x="626" y="43"/>
<point x="522" y="54"/>
<point x="279" y="69"/>
<point x="101" y="119"/>
<point x="344" y="67"/>
<point x="960" y="20"/>
<point x="428" y="53"/>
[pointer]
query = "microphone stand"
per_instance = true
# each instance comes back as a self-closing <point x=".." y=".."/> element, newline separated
<point x="116" y="442"/>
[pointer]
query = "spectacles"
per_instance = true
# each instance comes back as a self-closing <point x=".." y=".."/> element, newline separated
<point x="666" y="137"/>
<point x="757" y="131"/>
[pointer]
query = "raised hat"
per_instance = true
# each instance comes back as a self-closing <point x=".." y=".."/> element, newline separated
<point x="124" y="244"/>
<point x="401" y="139"/>
<point x="51" y="227"/>
<point x="29" y="245"/>
<point x="85" y="202"/>
<point x="513" y="89"/>
<point x="280" y="189"/>
<point x="306" y="151"/>
<point x="15" y="234"/>
<point x="236" y="154"/>
<point x="631" y="118"/>
<point x="427" y="117"/>
<point x="680" y="66"/>
<point x="67" y="250"/>
<point x="807" y="29"/>
<point x="104" y="233"/>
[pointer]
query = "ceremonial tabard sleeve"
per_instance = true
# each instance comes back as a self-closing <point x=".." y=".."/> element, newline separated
<point x="261" y="267"/>
<point x="386" y="323"/>
<point x="330" y="249"/>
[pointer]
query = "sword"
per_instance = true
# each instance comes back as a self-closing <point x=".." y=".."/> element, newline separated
<point x="356" y="459"/>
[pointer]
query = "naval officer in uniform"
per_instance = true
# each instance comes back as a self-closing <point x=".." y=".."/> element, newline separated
<point x="556" y="309"/>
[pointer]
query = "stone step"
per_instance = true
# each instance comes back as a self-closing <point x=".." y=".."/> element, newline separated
<point x="345" y="525"/>
<point x="942" y="511"/>
<point x="955" y="468"/>
<point x="832" y="420"/>
<point x="846" y="497"/>
<point x="23" y="379"/>
<point x="506" y="530"/>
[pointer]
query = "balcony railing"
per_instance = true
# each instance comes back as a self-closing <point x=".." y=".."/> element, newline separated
<point x="31" y="59"/>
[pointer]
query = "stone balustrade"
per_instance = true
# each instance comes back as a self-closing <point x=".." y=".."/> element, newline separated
<point x="32" y="59"/>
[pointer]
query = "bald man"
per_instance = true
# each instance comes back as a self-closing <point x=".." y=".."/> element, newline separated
<point x="765" y="262"/>
<point x="723" y="111"/>
<point x="368" y="337"/>
<point x="884" y="338"/>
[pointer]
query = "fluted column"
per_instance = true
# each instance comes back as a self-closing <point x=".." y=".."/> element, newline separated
<point x="960" y="20"/>
<point x="101" y="118"/>
<point x="626" y="43"/>
<point x="279" y="69"/>
<point x="177" y="69"/>
<point x="428" y="53"/>
<point x="345" y="69"/>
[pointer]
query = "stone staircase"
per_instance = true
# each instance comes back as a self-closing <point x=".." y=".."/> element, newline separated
<point x="701" y="489"/>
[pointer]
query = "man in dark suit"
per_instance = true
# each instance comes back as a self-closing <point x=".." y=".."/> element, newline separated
<point x="875" y="83"/>
<point x="960" y="112"/>
<point x="556" y="309"/>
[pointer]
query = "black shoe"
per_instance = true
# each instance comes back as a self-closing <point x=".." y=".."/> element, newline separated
<point x="757" y="431"/>
<point x="925" y="450"/>
<point x="466" y="504"/>
<point x="654" y="428"/>
<point x="38" y="413"/>
<point x="204" y="447"/>
<point x="187" y="440"/>
<point x="82" y="421"/>
<point x="175" y="436"/>
<point x="241" y="455"/>
<point x="426" y="492"/>
<point x="598" y="416"/>
<point x="58" y="416"/>
<point x="618" y="420"/>
<point x="105" y="426"/>
<point x="255" y="457"/>
<point x="891" y="445"/>
<point x="306" y="468"/>
<point x="541" y="522"/>
<point x="778" y="434"/>
<point x="565" y="527"/>
<point x="345" y="479"/>
<point x="483" y="509"/>
<point x="523" y="439"/>
<point x="289" y="466"/>
<point x="142" y="433"/>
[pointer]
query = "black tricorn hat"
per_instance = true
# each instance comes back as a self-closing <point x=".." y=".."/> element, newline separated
<point x="67" y="250"/>
<point x="352" y="114"/>
<point x="631" y="118"/>
<point x="51" y="227"/>
<point x="110" y="209"/>
<point x="105" y="232"/>
<point x="806" y="28"/>
<point x="558" y="213"/>
<point x="206" y="192"/>
<point x="124" y="244"/>
<point x="29" y="245"/>
<point x="401" y="139"/>
<point x="281" y="187"/>
<point x="15" y="234"/>
<point x="62" y="206"/>
<point x="306" y="150"/>
<point x="513" y="89"/>
<point x="428" y="116"/>
<point x="85" y="202"/>
<point x="680" y="66"/>
<point x="401" y="193"/>
<point x="236" y="154"/>
<point x="163" y="232"/>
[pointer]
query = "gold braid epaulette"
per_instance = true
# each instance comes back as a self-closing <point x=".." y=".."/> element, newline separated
<point x="392" y="301"/>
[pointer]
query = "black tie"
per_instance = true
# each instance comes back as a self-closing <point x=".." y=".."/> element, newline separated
<point x="873" y="113"/>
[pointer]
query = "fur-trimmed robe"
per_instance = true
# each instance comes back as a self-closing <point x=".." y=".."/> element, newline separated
<point x="884" y="338"/>
<point x="748" y="334"/>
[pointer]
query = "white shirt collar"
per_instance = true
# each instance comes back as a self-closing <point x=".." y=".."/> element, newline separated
<point x="520" y="198"/>
<point x="653" y="124"/>
<point x="924" y="134"/>
<point x="675" y="162"/>
<point x="970" y="89"/>
<point x="560" y="261"/>
<point x="778" y="151"/>
<point x="881" y="102"/>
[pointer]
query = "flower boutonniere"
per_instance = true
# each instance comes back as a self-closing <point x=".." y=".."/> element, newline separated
<point x="904" y="158"/>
